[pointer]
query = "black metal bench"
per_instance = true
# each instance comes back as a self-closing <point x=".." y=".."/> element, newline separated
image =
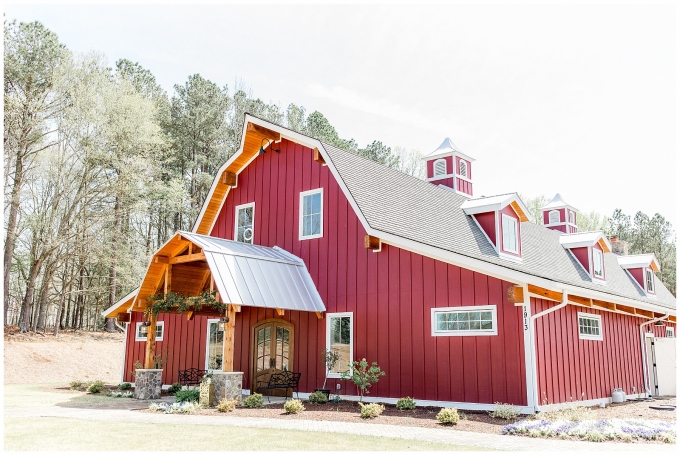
<point x="192" y="376"/>
<point x="284" y="380"/>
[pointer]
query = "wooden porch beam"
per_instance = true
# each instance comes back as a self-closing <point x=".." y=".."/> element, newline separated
<point x="161" y="260"/>
<point x="280" y="311"/>
<point x="229" y="331"/>
<point x="150" y="343"/>
<point x="187" y="258"/>
<point x="190" y="315"/>
<point x="545" y="293"/>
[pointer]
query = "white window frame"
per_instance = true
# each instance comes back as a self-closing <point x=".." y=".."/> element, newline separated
<point x="550" y="216"/>
<point x="329" y="316"/>
<point x="301" y="214"/>
<point x="464" y="309"/>
<point x="670" y="330"/>
<point x="595" y="317"/>
<point x="649" y="279"/>
<point x="207" y="343"/>
<point x="462" y="166"/>
<point x="601" y="254"/>
<point x="572" y="217"/>
<point x="514" y="221"/>
<point x="434" y="168"/>
<point x="160" y="324"/>
<point x="237" y="208"/>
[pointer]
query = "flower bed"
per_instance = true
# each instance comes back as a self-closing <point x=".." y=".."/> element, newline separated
<point x="186" y="407"/>
<point x="596" y="430"/>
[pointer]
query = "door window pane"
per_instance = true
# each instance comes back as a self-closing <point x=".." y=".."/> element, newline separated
<point x="215" y="346"/>
<point x="244" y="223"/>
<point x="340" y="341"/>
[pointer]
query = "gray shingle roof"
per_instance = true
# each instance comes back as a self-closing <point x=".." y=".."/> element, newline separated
<point x="401" y="205"/>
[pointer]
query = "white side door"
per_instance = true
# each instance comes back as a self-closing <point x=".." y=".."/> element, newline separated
<point x="664" y="356"/>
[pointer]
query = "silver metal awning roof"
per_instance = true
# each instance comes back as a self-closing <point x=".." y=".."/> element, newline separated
<point x="259" y="276"/>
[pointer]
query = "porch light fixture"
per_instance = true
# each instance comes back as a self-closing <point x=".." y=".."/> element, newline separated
<point x="222" y="324"/>
<point x="262" y="150"/>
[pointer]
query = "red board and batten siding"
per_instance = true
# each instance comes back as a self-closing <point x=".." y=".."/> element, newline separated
<point x="390" y="293"/>
<point x="487" y="221"/>
<point x="572" y="369"/>
<point x="659" y="331"/>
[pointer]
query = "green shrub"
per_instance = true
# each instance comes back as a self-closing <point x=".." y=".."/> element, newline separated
<point x="369" y="411"/>
<point x="79" y="385"/>
<point x="174" y="388"/>
<point x="189" y="395"/>
<point x="626" y="438"/>
<point x="227" y="405"/>
<point x="95" y="386"/>
<point x="124" y="386"/>
<point x="668" y="438"/>
<point x="363" y="375"/>
<point x="504" y="411"/>
<point x="406" y="404"/>
<point x="318" y="398"/>
<point x="594" y="436"/>
<point x="293" y="406"/>
<point x="254" y="401"/>
<point x="448" y="416"/>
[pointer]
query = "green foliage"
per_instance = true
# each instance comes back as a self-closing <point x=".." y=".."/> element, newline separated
<point x="95" y="386"/>
<point x="137" y="365"/>
<point x="448" y="416"/>
<point x="124" y="386"/>
<point x="504" y="411"/>
<point x="371" y="410"/>
<point x="330" y="358"/>
<point x="176" y="303"/>
<point x="189" y="395"/>
<point x="572" y="413"/>
<point x="318" y="398"/>
<point x="594" y="436"/>
<point x="379" y="153"/>
<point x="227" y="405"/>
<point x="174" y="388"/>
<point x="293" y="406"/>
<point x="79" y="385"/>
<point x="405" y="404"/>
<point x="363" y="375"/>
<point x="254" y="401"/>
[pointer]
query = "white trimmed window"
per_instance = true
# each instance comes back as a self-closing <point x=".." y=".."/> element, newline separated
<point x="462" y="168"/>
<point x="439" y="167"/>
<point x="650" y="280"/>
<point x="670" y="332"/>
<point x="340" y="338"/>
<point x="141" y="330"/>
<point x="510" y="237"/>
<point x="464" y="321"/>
<point x="311" y="214"/>
<point x="554" y="217"/>
<point x="572" y="217"/>
<point x="244" y="229"/>
<point x="598" y="269"/>
<point x="589" y="326"/>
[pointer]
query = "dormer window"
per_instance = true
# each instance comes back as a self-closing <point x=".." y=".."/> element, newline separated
<point x="572" y="217"/>
<point x="463" y="168"/>
<point x="641" y="268"/>
<point x="597" y="263"/>
<point x="554" y="217"/>
<point x="510" y="242"/>
<point x="440" y="167"/>
<point x="650" y="281"/>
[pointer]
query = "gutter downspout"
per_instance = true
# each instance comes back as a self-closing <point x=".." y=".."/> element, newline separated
<point x="534" y="371"/>
<point x="645" y="372"/>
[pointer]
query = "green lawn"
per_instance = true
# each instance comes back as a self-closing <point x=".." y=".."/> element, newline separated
<point x="29" y="395"/>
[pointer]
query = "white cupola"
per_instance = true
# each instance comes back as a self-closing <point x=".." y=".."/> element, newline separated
<point x="559" y="216"/>
<point x="450" y="167"/>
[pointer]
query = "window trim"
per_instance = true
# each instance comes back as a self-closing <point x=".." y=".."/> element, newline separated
<point x="572" y="217"/>
<point x="207" y="343"/>
<point x="671" y="330"/>
<point x="649" y="279"/>
<point x="462" y="164"/>
<point x="460" y="309"/>
<point x="434" y="168"/>
<point x="597" y="317"/>
<point x="236" y="210"/>
<point x="596" y="276"/>
<point x="559" y="217"/>
<point x="503" y="247"/>
<point x="301" y="214"/>
<point x="329" y="316"/>
<point x="158" y="324"/>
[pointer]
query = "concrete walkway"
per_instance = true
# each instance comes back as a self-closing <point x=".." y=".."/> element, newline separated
<point x="447" y="436"/>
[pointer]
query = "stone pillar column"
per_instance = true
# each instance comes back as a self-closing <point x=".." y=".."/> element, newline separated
<point x="228" y="385"/>
<point x="148" y="384"/>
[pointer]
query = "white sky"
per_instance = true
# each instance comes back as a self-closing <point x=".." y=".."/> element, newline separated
<point x="576" y="99"/>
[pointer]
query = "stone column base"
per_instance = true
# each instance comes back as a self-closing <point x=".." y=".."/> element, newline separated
<point x="228" y="385"/>
<point x="148" y="384"/>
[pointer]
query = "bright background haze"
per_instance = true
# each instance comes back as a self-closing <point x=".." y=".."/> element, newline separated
<point x="576" y="99"/>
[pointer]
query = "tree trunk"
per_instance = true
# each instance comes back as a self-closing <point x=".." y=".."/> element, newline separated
<point x="10" y="239"/>
<point x="27" y="305"/>
<point x="114" y="262"/>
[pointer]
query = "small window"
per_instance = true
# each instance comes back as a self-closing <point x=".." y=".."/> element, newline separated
<point x="463" y="168"/>
<point x="311" y="214"/>
<point x="597" y="263"/>
<point x="650" y="281"/>
<point x="572" y="217"/>
<point x="589" y="326"/>
<point x="670" y="332"/>
<point x="245" y="220"/>
<point x="464" y="321"/>
<point x="510" y="240"/>
<point x="440" y="167"/>
<point x="142" y="330"/>
<point x="553" y="217"/>
<point x="340" y="338"/>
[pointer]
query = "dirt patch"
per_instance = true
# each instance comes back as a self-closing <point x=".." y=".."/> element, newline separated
<point x="44" y="358"/>
<point x="637" y="410"/>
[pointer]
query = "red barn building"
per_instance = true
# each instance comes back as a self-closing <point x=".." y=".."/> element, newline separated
<point x="462" y="301"/>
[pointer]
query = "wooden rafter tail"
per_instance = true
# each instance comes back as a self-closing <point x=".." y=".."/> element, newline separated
<point x="280" y="311"/>
<point x="190" y="315"/>
<point x="229" y="178"/>
<point x="372" y="243"/>
<point x="671" y="318"/>
<point x="602" y="304"/>
<point x="645" y="313"/>
<point x="580" y="300"/>
<point x="318" y="157"/>
<point x="625" y="309"/>
<point x="545" y="293"/>
<point x="516" y="295"/>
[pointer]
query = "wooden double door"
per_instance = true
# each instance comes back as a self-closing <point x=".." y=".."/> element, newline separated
<point x="272" y="352"/>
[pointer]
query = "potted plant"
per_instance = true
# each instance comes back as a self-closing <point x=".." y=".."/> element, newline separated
<point x="330" y="358"/>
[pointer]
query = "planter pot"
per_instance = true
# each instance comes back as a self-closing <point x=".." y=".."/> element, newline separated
<point x="326" y="392"/>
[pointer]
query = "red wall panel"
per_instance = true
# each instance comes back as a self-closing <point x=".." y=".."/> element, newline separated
<point x="581" y="254"/>
<point x="487" y="221"/>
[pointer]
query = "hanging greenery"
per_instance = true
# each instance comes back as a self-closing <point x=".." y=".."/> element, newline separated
<point x="177" y="303"/>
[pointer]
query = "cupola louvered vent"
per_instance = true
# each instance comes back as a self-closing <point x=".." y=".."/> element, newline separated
<point x="440" y="167"/>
